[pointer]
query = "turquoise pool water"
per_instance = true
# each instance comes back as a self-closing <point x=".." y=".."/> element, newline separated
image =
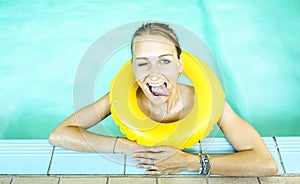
<point x="256" y="44"/>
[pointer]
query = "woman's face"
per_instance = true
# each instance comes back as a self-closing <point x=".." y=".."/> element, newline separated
<point x="156" y="66"/>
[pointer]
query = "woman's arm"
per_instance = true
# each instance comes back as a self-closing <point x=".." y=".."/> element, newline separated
<point x="251" y="159"/>
<point x="72" y="133"/>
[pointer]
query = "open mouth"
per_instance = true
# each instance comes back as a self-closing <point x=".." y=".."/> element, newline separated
<point x="158" y="89"/>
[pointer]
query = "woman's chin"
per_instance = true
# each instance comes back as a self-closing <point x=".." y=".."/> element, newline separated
<point x="157" y="99"/>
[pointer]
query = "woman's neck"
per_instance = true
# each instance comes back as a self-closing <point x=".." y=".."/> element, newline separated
<point x="175" y="108"/>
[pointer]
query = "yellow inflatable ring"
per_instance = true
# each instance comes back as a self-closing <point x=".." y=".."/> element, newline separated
<point x="208" y="105"/>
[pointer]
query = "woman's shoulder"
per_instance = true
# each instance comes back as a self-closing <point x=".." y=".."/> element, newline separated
<point x="187" y="90"/>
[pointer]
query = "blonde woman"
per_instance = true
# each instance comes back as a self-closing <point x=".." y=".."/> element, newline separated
<point x="156" y="64"/>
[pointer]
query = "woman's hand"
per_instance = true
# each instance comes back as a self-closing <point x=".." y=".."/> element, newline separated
<point x="128" y="147"/>
<point x="166" y="160"/>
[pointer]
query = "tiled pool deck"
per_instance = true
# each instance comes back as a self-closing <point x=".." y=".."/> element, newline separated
<point x="35" y="161"/>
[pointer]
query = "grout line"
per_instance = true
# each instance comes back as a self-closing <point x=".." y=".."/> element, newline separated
<point x="11" y="180"/>
<point x="59" y="180"/>
<point x="107" y="180"/>
<point x="50" y="162"/>
<point x="125" y="161"/>
<point x="279" y="154"/>
<point x="156" y="179"/>
<point x="207" y="179"/>
<point x="258" y="179"/>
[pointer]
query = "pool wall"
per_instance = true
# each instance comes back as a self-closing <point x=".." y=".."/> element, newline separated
<point x="256" y="44"/>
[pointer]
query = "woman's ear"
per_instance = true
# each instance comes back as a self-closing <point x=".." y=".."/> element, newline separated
<point x="180" y="62"/>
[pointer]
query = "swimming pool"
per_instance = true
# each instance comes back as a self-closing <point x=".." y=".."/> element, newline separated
<point x="42" y="43"/>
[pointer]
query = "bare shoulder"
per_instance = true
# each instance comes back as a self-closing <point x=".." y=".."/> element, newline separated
<point x="228" y="115"/>
<point x="229" y="120"/>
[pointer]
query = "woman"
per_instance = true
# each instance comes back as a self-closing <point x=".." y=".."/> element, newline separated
<point x="157" y="63"/>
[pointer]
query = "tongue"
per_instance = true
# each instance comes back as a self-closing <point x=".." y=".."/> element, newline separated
<point x="161" y="90"/>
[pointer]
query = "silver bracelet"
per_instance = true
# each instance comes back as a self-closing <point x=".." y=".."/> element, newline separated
<point x="205" y="164"/>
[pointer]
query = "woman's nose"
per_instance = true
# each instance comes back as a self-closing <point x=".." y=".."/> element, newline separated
<point x="154" y="72"/>
<point x="153" y="78"/>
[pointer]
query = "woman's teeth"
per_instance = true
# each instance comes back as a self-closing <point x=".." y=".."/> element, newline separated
<point x="159" y="89"/>
<point x="156" y="84"/>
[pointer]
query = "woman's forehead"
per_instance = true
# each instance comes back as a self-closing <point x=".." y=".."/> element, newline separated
<point x="153" y="39"/>
<point x="152" y="46"/>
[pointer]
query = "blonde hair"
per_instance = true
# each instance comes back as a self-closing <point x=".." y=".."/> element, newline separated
<point x="158" y="29"/>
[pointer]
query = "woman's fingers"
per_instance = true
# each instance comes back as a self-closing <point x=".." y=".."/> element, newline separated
<point x="145" y="160"/>
<point x="151" y="169"/>
<point x="147" y="166"/>
<point x="160" y="152"/>
<point x="148" y="155"/>
<point x="158" y="160"/>
<point x="160" y="148"/>
<point x="152" y="172"/>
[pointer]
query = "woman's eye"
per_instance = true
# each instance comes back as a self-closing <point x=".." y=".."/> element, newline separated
<point x="142" y="64"/>
<point x="165" y="61"/>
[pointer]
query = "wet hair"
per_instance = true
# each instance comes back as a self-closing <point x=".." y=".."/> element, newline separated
<point x="158" y="29"/>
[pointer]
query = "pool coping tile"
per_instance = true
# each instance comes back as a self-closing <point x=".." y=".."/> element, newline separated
<point x="181" y="180"/>
<point x="132" y="180"/>
<point x="73" y="162"/>
<point x="85" y="180"/>
<point x="31" y="180"/>
<point x="5" y="180"/>
<point x="21" y="153"/>
<point x="216" y="146"/>
<point x="289" y="149"/>
<point x="280" y="180"/>
<point x="16" y="155"/>
<point x="233" y="180"/>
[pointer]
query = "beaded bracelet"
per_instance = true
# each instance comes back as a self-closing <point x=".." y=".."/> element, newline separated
<point x="205" y="164"/>
<point x="204" y="161"/>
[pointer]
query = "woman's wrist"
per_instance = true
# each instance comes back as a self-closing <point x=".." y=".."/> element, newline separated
<point x="193" y="163"/>
<point x="122" y="145"/>
<point x="115" y="144"/>
<point x="117" y="147"/>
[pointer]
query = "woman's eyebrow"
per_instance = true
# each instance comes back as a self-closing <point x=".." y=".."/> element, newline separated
<point x="141" y="58"/>
<point x="160" y="56"/>
<point x="146" y="58"/>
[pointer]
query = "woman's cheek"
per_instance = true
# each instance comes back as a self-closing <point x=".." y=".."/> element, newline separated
<point x="172" y="74"/>
<point x="139" y="74"/>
